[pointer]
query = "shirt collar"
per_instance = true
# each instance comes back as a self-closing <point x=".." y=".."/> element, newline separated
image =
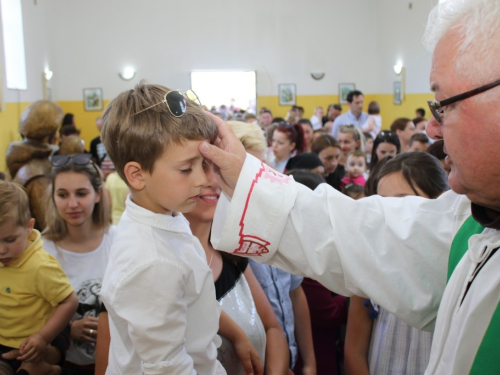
<point x="486" y="216"/>
<point x="34" y="244"/>
<point x="175" y="222"/>
<point x="354" y="117"/>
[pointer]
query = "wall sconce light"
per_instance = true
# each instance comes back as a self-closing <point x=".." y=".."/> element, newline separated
<point x="398" y="68"/>
<point x="127" y="74"/>
<point x="46" y="77"/>
<point x="48" y="74"/>
<point x="317" y="75"/>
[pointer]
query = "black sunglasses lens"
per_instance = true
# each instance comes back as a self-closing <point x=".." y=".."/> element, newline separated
<point x="176" y="103"/>
<point x="434" y="111"/>
<point x="58" y="160"/>
<point x="82" y="159"/>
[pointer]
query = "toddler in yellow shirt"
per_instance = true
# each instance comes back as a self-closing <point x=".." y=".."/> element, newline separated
<point x="36" y="297"/>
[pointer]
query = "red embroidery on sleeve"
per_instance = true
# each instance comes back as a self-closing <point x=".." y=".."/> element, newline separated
<point x="253" y="245"/>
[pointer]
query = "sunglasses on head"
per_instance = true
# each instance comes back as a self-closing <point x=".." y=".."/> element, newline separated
<point x="285" y="125"/>
<point x="386" y="135"/>
<point x="80" y="159"/>
<point x="176" y="102"/>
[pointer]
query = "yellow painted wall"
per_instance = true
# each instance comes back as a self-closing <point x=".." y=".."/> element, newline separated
<point x="9" y="128"/>
<point x="388" y="110"/>
<point x="85" y="120"/>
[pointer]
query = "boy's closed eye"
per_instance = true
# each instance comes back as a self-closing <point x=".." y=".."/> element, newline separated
<point x="10" y="239"/>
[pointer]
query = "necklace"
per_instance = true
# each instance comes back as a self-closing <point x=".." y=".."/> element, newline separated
<point x="211" y="258"/>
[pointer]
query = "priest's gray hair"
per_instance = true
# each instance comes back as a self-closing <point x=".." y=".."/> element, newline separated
<point x="477" y="23"/>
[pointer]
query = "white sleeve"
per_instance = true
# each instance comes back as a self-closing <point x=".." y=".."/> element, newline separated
<point x="393" y="250"/>
<point x="151" y="301"/>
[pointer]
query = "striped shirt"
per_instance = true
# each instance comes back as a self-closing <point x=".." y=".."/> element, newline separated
<point x="397" y="348"/>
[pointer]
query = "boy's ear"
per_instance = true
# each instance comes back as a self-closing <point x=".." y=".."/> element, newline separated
<point x="31" y="225"/>
<point x="135" y="175"/>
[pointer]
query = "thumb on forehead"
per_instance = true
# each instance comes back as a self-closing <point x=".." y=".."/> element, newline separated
<point x="214" y="154"/>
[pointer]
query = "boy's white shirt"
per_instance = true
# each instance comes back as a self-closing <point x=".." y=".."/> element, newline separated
<point x="393" y="250"/>
<point x="160" y="296"/>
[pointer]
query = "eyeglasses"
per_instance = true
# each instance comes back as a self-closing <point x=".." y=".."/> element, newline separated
<point x="80" y="159"/>
<point x="436" y="106"/>
<point x="176" y="102"/>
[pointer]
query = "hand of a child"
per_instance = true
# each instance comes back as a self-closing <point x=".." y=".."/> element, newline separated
<point x="248" y="356"/>
<point x="85" y="329"/>
<point x="33" y="349"/>
<point x="309" y="370"/>
<point x="13" y="354"/>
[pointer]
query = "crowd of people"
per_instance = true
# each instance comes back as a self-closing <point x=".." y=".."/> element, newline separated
<point x="271" y="320"/>
<point x="357" y="232"/>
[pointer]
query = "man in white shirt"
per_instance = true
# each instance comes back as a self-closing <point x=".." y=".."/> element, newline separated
<point x="354" y="115"/>
<point x="401" y="253"/>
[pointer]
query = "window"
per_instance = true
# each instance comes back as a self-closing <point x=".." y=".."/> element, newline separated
<point x="13" y="42"/>
<point x="234" y="89"/>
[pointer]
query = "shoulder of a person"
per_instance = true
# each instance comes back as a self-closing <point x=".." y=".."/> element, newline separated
<point x="340" y="118"/>
<point x="111" y="231"/>
<point x="241" y="263"/>
<point x="108" y="239"/>
<point x="47" y="266"/>
<point x="135" y="250"/>
<point x="451" y="196"/>
<point x="122" y="279"/>
<point x="459" y="202"/>
<point x="295" y="281"/>
<point x="49" y="246"/>
<point x="261" y="271"/>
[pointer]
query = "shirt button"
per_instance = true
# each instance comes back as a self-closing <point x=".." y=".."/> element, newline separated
<point x="7" y="290"/>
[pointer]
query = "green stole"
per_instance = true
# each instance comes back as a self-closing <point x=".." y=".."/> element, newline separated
<point x="487" y="360"/>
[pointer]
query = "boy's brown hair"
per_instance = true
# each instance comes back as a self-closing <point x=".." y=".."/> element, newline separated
<point x="14" y="204"/>
<point x="143" y="137"/>
<point x="356" y="154"/>
<point x="400" y="124"/>
<point x="419" y="137"/>
<point x="324" y="141"/>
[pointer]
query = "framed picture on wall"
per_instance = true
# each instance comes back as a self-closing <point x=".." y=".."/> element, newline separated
<point x="287" y="93"/>
<point x="344" y="89"/>
<point x="92" y="99"/>
<point x="398" y="96"/>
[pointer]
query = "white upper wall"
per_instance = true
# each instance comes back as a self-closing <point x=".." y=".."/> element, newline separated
<point x="401" y="29"/>
<point x="36" y="44"/>
<point x="86" y="43"/>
